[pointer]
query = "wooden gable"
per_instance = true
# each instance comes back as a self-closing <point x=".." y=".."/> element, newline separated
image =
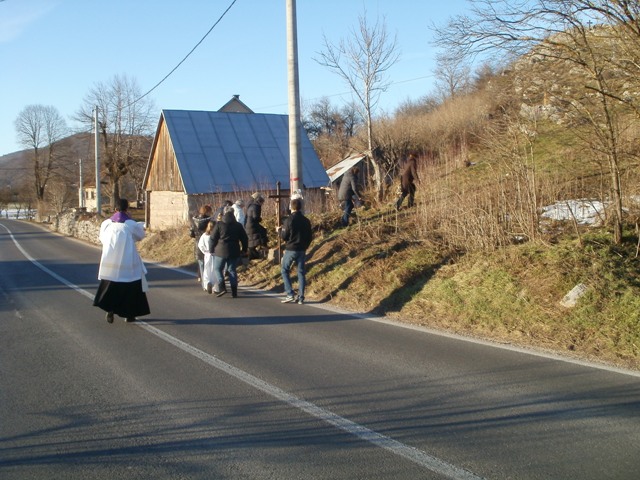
<point x="163" y="173"/>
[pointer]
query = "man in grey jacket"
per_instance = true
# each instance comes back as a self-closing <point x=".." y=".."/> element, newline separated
<point x="349" y="190"/>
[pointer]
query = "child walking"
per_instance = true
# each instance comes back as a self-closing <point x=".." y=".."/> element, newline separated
<point x="207" y="269"/>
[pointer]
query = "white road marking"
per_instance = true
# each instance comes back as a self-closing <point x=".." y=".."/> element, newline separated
<point x="417" y="456"/>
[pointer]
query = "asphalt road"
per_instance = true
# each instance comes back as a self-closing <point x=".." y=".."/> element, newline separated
<point x="249" y="388"/>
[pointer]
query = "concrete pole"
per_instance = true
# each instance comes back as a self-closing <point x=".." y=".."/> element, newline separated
<point x="80" y="187"/>
<point x="295" y="148"/>
<point x="97" y="149"/>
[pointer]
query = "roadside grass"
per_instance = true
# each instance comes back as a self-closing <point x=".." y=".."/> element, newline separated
<point x="511" y="295"/>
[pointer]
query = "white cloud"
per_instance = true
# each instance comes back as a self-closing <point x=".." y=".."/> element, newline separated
<point x="17" y="16"/>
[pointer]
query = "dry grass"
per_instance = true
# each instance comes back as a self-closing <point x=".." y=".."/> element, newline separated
<point x="509" y="295"/>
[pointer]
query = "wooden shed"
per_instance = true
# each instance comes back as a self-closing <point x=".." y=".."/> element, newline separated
<point x="198" y="155"/>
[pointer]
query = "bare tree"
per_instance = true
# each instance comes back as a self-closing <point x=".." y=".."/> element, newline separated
<point x="591" y="37"/>
<point x="452" y="74"/>
<point x="331" y="129"/>
<point x="125" y="122"/>
<point x="60" y="195"/>
<point x="362" y="62"/>
<point x="40" y="128"/>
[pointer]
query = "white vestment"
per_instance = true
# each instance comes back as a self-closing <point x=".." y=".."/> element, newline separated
<point x="120" y="261"/>
<point x="207" y="269"/>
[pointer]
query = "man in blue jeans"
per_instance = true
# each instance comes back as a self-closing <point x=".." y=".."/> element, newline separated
<point x="296" y="233"/>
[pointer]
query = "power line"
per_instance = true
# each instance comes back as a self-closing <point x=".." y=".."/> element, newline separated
<point x="350" y="92"/>
<point x="186" y="56"/>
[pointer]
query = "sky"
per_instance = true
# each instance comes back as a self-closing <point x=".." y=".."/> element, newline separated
<point x="53" y="52"/>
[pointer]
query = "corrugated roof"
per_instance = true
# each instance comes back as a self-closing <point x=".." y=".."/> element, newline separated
<point x="342" y="166"/>
<point x="226" y="152"/>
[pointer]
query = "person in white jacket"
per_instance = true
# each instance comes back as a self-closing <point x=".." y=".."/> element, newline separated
<point x="238" y="212"/>
<point x="122" y="274"/>
<point x="207" y="268"/>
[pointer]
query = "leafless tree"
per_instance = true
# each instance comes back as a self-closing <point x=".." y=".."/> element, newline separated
<point x="40" y="128"/>
<point x="452" y="75"/>
<point x="331" y="129"/>
<point x="125" y="123"/>
<point x="591" y="37"/>
<point x="60" y="195"/>
<point x="362" y="62"/>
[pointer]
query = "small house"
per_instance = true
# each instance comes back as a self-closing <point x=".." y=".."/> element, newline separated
<point x="197" y="156"/>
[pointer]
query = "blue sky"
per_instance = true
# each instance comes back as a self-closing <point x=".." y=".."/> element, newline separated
<point x="52" y="52"/>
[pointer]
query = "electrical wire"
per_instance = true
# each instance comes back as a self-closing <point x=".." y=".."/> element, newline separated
<point x="186" y="56"/>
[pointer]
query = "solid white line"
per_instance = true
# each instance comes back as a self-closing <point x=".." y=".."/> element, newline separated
<point x="45" y="269"/>
<point x="410" y="453"/>
<point x="417" y="456"/>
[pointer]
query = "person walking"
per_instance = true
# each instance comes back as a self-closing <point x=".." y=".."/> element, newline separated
<point x="207" y="270"/>
<point x="198" y="226"/>
<point x="255" y="231"/>
<point x="408" y="177"/>
<point x="123" y="285"/>
<point x="297" y="235"/>
<point x="349" y="190"/>
<point x="228" y="242"/>
<point x="238" y="211"/>
<point x="220" y="211"/>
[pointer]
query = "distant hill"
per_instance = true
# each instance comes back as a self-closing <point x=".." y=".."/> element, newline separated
<point x="14" y="166"/>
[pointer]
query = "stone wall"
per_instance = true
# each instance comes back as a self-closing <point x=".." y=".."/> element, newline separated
<point x="79" y="225"/>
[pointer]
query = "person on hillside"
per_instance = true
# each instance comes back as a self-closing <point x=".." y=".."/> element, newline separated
<point x="123" y="285"/>
<point x="220" y="211"/>
<point x="297" y="234"/>
<point x="255" y="230"/>
<point x="349" y="191"/>
<point x="238" y="212"/>
<point x="408" y="178"/>
<point x="228" y="242"/>
<point x="198" y="226"/>
<point x="207" y="269"/>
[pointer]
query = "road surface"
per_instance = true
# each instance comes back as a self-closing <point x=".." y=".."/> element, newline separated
<point x="249" y="388"/>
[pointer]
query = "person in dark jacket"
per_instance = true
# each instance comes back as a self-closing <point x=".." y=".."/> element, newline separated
<point x="228" y="243"/>
<point x="348" y="192"/>
<point x="256" y="233"/>
<point x="220" y="211"/>
<point x="198" y="226"/>
<point x="408" y="178"/>
<point x="297" y="235"/>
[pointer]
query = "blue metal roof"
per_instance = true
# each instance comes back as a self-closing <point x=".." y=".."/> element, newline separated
<point x="228" y="152"/>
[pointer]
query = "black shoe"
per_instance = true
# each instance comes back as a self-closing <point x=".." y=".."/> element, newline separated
<point x="109" y="317"/>
<point x="130" y="319"/>
<point x="209" y="288"/>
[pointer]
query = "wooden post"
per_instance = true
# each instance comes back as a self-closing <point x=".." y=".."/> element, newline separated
<point x="278" y="197"/>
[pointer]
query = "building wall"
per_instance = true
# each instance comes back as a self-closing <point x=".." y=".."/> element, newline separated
<point x="164" y="174"/>
<point x="168" y="209"/>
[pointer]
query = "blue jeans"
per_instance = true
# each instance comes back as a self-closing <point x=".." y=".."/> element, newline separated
<point x="347" y="207"/>
<point x="288" y="259"/>
<point x="219" y="264"/>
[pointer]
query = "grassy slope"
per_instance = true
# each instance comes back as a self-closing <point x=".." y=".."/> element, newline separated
<point x="509" y="295"/>
<point x="512" y="296"/>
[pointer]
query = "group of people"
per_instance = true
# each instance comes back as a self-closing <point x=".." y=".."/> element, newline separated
<point x="222" y="239"/>
<point x="350" y="190"/>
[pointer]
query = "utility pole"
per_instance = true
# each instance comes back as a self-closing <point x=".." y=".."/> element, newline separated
<point x="97" y="148"/>
<point x="295" y="149"/>
<point x="80" y="188"/>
